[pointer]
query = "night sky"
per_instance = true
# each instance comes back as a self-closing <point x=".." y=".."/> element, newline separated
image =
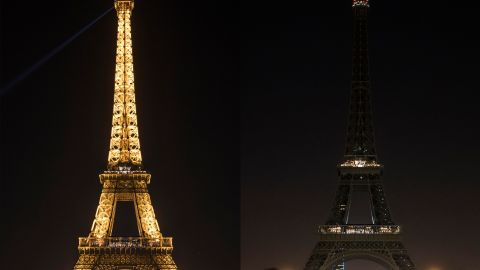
<point x="242" y="114"/>
<point x="296" y="58"/>
<point x="56" y="127"/>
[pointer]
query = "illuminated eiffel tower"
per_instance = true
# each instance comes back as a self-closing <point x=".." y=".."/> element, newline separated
<point x="125" y="180"/>
<point x="378" y="241"/>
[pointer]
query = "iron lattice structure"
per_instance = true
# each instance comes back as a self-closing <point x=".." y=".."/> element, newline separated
<point x="125" y="180"/>
<point x="360" y="171"/>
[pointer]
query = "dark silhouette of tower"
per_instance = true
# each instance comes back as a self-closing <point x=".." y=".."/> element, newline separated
<point x="360" y="172"/>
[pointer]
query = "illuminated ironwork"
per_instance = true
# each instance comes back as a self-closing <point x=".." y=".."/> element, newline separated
<point x="125" y="180"/>
<point x="360" y="171"/>
<point x="165" y="242"/>
<point x="124" y="142"/>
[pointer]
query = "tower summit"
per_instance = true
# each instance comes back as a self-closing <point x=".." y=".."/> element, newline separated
<point x="124" y="180"/>
<point x="359" y="172"/>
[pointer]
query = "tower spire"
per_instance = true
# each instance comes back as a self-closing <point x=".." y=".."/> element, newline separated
<point x="124" y="153"/>
<point x="360" y="143"/>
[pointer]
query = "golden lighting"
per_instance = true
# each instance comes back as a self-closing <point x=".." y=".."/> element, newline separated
<point x="124" y="142"/>
<point x="133" y="188"/>
<point x="119" y="183"/>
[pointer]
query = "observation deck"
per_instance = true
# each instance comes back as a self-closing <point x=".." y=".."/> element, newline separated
<point x="359" y="232"/>
<point x="129" y="245"/>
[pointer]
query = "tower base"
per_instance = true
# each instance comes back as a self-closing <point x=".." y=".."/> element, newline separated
<point x="124" y="254"/>
<point x="133" y="262"/>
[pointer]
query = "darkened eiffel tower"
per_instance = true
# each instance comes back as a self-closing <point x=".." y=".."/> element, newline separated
<point x="360" y="171"/>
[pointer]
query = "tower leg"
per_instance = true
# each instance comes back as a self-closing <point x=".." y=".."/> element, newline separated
<point x="86" y="262"/>
<point x="165" y="262"/>
<point x="319" y="255"/>
<point x="102" y="224"/>
<point x="339" y="212"/>
<point x="381" y="214"/>
<point x="146" y="214"/>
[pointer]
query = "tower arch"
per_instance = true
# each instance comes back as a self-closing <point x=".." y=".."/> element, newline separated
<point x="385" y="260"/>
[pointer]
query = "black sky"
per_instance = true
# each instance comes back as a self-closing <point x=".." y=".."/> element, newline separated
<point x="56" y="124"/>
<point x="424" y="70"/>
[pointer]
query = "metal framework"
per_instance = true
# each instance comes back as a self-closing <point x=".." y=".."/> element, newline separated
<point x="125" y="180"/>
<point x="124" y="142"/>
<point x="360" y="171"/>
